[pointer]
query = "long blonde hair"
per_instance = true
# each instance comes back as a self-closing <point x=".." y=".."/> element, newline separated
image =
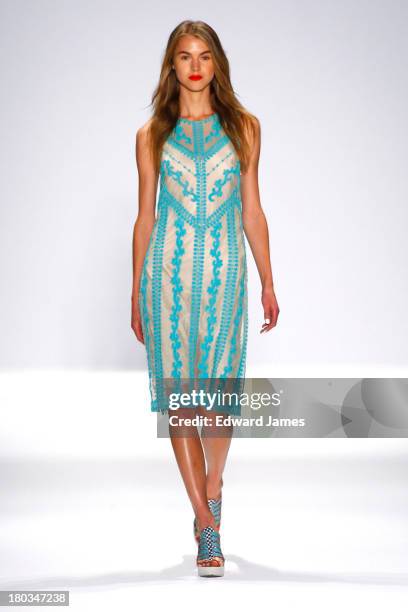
<point x="234" y="118"/>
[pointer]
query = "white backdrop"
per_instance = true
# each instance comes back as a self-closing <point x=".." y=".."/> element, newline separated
<point x="91" y="500"/>
<point x="328" y="81"/>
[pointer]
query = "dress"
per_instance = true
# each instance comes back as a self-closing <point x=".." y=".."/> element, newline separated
<point x="193" y="296"/>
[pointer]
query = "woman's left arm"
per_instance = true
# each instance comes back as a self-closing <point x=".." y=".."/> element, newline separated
<point x="256" y="230"/>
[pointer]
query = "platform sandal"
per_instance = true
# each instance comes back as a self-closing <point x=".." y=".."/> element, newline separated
<point x="209" y="549"/>
<point x="215" y="507"/>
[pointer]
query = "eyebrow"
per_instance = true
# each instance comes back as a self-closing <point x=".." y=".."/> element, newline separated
<point x="187" y="52"/>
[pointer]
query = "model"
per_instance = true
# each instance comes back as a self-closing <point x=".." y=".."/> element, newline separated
<point x="189" y="296"/>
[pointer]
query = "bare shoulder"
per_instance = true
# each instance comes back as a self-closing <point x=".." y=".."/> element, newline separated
<point x="253" y="136"/>
<point x="143" y="150"/>
<point x="256" y="124"/>
<point x="143" y="132"/>
<point x="253" y="127"/>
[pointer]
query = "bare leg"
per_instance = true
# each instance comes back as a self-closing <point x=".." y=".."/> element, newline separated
<point x="216" y="441"/>
<point x="190" y="458"/>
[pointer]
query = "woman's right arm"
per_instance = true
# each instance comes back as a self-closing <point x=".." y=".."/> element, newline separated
<point x="145" y="219"/>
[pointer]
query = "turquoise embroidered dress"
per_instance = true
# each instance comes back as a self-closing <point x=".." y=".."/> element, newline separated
<point x="193" y="288"/>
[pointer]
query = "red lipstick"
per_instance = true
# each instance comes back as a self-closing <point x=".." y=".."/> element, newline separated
<point x="195" y="77"/>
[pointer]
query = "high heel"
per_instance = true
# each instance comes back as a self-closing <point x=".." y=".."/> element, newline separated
<point x="215" y="507"/>
<point x="209" y="549"/>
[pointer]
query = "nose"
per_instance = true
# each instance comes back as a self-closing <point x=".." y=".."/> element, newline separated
<point x="195" y="65"/>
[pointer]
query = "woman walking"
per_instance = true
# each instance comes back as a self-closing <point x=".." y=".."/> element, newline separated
<point x="189" y="296"/>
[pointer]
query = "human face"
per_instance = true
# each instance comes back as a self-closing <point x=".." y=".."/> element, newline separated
<point x="193" y="63"/>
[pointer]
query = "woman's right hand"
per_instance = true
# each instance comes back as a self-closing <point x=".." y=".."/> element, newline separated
<point x="136" y="323"/>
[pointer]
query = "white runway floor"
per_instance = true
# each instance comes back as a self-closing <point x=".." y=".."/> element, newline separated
<point x="92" y="502"/>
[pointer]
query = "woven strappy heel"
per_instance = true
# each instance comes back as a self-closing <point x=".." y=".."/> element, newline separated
<point x="215" y="507"/>
<point x="209" y="549"/>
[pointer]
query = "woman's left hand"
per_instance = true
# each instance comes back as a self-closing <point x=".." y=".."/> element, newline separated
<point x="270" y="307"/>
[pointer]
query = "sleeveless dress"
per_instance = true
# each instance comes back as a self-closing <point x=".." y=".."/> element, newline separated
<point x="193" y="289"/>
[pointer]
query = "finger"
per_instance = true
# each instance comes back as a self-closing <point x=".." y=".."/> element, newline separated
<point x="275" y="315"/>
<point x="269" y="322"/>
<point x="271" y="325"/>
<point x="267" y="316"/>
<point x="138" y="330"/>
